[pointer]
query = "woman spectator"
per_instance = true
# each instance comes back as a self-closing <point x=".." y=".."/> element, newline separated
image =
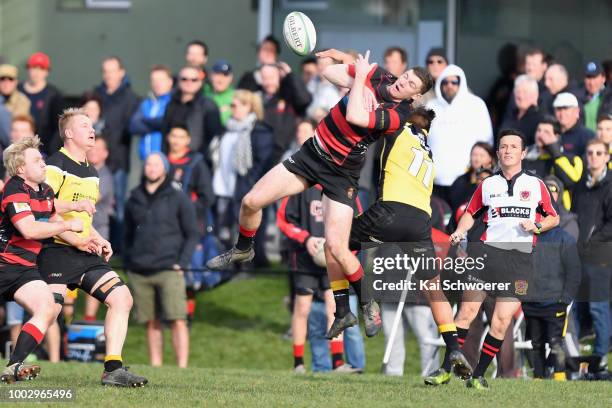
<point x="481" y="156"/>
<point x="243" y="156"/>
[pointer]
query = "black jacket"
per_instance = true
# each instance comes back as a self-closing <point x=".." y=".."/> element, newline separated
<point x="527" y="124"/>
<point x="200" y="115"/>
<point x="47" y="124"/>
<point x="593" y="206"/>
<point x="193" y="175"/>
<point x="117" y="110"/>
<point x="556" y="275"/>
<point x="568" y="167"/>
<point x="159" y="229"/>
<point x="282" y="110"/>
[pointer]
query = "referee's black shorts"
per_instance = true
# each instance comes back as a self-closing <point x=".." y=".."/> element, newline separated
<point x="338" y="184"/>
<point x="390" y="222"/>
<point x="509" y="269"/>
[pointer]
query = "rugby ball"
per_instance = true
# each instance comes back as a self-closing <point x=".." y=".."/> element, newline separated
<point x="299" y="33"/>
<point x="319" y="256"/>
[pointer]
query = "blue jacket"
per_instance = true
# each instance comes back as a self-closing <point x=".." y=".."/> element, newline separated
<point x="147" y="122"/>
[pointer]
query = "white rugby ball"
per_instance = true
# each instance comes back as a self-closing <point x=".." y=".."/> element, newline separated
<point x="299" y="33"/>
<point x="319" y="256"/>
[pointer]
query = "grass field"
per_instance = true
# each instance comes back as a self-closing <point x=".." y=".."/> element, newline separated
<point x="239" y="358"/>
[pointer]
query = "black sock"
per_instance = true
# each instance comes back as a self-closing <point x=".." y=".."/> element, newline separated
<point x="356" y="280"/>
<point x="490" y="348"/>
<point x="342" y="302"/>
<point x="28" y="339"/>
<point x="112" y="364"/>
<point x="246" y="238"/>
<point x="460" y="339"/>
<point x="298" y="361"/>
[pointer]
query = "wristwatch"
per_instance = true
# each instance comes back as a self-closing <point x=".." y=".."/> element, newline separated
<point x="538" y="226"/>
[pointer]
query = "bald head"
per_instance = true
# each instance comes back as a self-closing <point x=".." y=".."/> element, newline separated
<point x="556" y="78"/>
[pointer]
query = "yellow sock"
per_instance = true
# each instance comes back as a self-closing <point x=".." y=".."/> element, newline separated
<point x="559" y="376"/>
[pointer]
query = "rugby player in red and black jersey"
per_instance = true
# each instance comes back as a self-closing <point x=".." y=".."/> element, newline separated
<point x="377" y="103"/>
<point x="27" y="215"/>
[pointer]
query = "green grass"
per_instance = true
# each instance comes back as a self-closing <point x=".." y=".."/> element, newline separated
<point x="238" y="358"/>
<point x="170" y="387"/>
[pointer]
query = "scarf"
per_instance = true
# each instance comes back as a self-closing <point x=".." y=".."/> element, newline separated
<point x="243" y="161"/>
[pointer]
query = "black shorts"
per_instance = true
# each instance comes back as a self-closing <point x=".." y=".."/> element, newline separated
<point x="508" y="270"/>
<point x="66" y="265"/>
<point x="401" y="227"/>
<point x="307" y="284"/>
<point x="12" y="277"/>
<point x="338" y="184"/>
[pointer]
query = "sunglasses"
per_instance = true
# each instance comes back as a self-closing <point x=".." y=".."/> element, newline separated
<point x="595" y="153"/>
<point x="5" y="78"/>
<point x="435" y="61"/>
<point x="185" y="79"/>
<point x="448" y="81"/>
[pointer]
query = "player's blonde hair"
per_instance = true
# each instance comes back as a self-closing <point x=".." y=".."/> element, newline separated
<point x="65" y="117"/>
<point x="14" y="155"/>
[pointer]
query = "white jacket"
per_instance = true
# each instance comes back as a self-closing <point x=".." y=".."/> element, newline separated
<point x="457" y="126"/>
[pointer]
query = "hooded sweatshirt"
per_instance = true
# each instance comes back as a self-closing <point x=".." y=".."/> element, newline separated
<point x="457" y="126"/>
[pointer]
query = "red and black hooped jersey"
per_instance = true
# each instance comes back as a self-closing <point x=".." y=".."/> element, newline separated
<point x="347" y="144"/>
<point x="18" y="201"/>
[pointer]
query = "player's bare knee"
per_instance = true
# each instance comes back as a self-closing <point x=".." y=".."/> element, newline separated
<point x="336" y="248"/>
<point x="251" y="203"/>
<point x="121" y="299"/>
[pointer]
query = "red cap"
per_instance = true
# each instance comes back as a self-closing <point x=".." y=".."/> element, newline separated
<point x="39" y="59"/>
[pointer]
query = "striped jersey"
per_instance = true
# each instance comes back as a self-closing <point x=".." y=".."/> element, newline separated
<point x="74" y="181"/>
<point x="346" y="144"/>
<point x="19" y="200"/>
<point x="507" y="203"/>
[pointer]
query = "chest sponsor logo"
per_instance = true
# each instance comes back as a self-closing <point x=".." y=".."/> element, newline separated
<point x="516" y="212"/>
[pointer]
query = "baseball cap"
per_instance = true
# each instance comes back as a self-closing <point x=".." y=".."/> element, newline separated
<point x="565" y="100"/>
<point x="7" y="70"/>
<point x="222" y="67"/>
<point x="593" y="69"/>
<point x="39" y="59"/>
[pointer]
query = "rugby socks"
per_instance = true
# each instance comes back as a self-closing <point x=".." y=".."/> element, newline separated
<point x="112" y="363"/>
<point x="298" y="355"/>
<point x="490" y="348"/>
<point x="88" y="318"/>
<point x="341" y="296"/>
<point x="29" y="337"/>
<point x="337" y="351"/>
<point x="453" y="336"/>
<point x="245" y="239"/>
<point x="355" y="281"/>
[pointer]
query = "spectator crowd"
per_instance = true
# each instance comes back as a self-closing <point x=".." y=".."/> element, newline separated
<point x="174" y="165"/>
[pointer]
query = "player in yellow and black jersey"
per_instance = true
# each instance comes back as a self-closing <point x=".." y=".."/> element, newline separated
<point x="402" y="214"/>
<point x="75" y="184"/>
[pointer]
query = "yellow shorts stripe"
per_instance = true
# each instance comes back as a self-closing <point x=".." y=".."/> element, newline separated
<point x="339" y="285"/>
<point x="450" y="327"/>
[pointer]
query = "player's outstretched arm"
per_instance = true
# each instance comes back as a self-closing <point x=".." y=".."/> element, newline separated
<point x="466" y="222"/>
<point x="338" y="75"/>
<point x="356" y="112"/>
<point x="32" y="229"/>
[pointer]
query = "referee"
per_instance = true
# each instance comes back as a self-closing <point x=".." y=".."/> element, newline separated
<point x="517" y="207"/>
